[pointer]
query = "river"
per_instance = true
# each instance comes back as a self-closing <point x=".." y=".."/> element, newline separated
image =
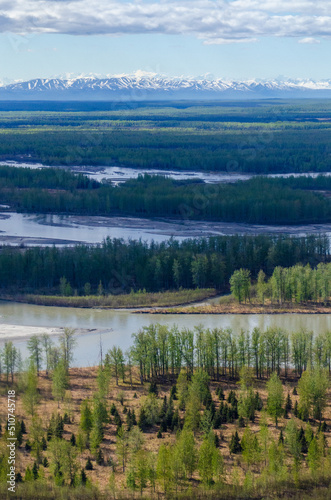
<point x="115" y="327"/>
<point x="48" y="229"/>
<point x="117" y="174"/>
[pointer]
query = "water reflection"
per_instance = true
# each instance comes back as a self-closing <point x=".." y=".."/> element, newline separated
<point x="118" y="326"/>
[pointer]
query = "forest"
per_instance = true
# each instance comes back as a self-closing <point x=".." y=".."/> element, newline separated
<point x="118" y="266"/>
<point x="259" y="137"/>
<point x="181" y="414"/>
<point x="297" y="284"/>
<point x="259" y="200"/>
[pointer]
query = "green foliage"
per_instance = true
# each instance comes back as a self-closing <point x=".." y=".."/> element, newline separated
<point x="31" y="396"/>
<point x="312" y="388"/>
<point x="55" y="427"/>
<point x="187" y="452"/>
<point x="258" y="200"/>
<point x="314" y="456"/>
<point x="275" y="400"/>
<point x="115" y="361"/>
<point x="164" y="466"/>
<point x="251" y="450"/>
<point x="63" y="462"/>
<point x="149" y="414"/>
<point x="292" y="443"/>
<point x="122" y="447"/>
<point x="35" y="349"/>
<point x="86" y="416"/>
<point x="60" y="381"/>
<point x="235" y="445"/>
<point x="210" y="462"/>
<point x="240" y="284"/>
<point x="42" y="268"/>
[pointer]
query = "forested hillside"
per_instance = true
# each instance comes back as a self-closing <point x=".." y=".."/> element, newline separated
<point x="182" y="413"/>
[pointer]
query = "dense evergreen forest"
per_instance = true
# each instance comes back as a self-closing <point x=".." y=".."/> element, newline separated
<point x="182" y="414"/>
<point x="121" y="266"/>
<point x="259" y="200"/>
<point x="261" y="137"/>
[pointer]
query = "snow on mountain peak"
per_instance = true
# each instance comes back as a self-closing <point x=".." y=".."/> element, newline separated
<point x="147" y="85"/>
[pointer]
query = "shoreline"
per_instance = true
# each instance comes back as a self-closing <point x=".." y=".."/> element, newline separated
<point x="21" y="333"/>
<point x="242" y="309"/>
<point x="84" y="302"/>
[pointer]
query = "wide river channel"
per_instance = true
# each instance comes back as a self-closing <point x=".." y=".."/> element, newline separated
<point x="47" y="229"/>
<point x="115" y="327"/>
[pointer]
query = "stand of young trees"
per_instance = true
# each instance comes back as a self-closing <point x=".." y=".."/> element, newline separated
<point x="120" y="266"/>
<point x="163" y="351"/>
<point x="298" y="284"/>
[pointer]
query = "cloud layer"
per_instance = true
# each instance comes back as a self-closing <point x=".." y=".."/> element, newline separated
<point x="214" y="21"/>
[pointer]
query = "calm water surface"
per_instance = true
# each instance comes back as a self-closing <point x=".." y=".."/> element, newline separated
<point x="48" y="229"/>
<point x="118" y="326"/>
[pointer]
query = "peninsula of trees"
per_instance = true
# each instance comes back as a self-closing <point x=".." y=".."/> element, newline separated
<point x="115" y="266"/>
<point x="260" y="200"/>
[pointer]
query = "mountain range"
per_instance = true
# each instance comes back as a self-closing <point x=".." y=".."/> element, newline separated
<point x="149" y="88"/>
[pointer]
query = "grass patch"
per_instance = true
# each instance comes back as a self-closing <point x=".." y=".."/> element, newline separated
<point x="136" y="299"/>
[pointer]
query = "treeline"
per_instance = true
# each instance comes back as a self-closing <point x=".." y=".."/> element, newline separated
<point x="160" y="351"/>
<point x="259" y="200"/>
<point x="120" y="266"/>
<point x="296" y="284"/>
<point x="199" y="139"/>
<point x="47" y="178"/>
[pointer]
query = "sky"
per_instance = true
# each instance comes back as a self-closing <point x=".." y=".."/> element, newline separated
<point x="230" y="39"/>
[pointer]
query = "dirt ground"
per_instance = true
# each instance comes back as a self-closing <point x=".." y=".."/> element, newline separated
<point x="83" y="385"/>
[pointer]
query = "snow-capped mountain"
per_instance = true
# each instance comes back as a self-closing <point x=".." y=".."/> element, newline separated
<point x="126" y="87"/>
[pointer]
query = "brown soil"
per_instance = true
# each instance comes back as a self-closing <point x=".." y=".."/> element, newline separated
<point x="233" y="308"/>
<point x="83" y="385"/>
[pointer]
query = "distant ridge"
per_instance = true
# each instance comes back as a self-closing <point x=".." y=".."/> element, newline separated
<point x="139" y="88"/>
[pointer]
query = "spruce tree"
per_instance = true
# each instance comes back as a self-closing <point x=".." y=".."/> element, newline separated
<point x="173" y="393"/>
<point x="235" y="445"/>
<point x="142" y="421"/>
<point x="89" y="465"/>
<point x="99" y="457"/>
<point x="23" y="428"/>
<point x="83" y="477"/>
<point x="35" y="471"/>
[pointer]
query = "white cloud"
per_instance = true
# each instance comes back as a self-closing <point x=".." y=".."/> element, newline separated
<point x="214" y="21"/>
<point x="309" y="40"/>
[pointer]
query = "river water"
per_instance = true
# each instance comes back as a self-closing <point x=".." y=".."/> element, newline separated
<point x="48" y="229"/>
<point x="115" y="327"/>
<point x="117" y="174"/>
<point x="39" y="229"/>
